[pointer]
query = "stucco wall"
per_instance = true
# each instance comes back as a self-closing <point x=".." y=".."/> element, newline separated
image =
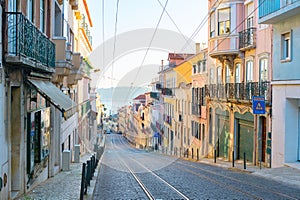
<point x="287" y="70"/>
<point x="285" y="128"/>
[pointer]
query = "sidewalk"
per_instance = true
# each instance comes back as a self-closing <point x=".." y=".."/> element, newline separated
<point x="289" y="174"/>
<point x="66" y="184"/>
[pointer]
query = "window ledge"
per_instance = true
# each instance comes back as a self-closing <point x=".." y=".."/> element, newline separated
<point x="285" y="60"/>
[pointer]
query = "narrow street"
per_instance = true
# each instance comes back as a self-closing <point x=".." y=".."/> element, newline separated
<point x="129" y="173"/>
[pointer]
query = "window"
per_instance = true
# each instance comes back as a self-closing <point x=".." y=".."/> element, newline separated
<point x="211" y="80"/>
<point x="263" y="70"/>
<point x="227" y="74"/>
<point x="250" y="13"/>
<point x="219" y="75"/>
<point x="238" y="73"/>
<point x="199" y="66"/>
<point x="194" y="69"/>
<point x="249" y="71"/>
<point x="57" y="20"/>
<point x="212" y="24"/>
<point x="224" y="21"/>
<point x="12" y="5"/>
<point x="30" y="10"/>
<point x="203" y="66"/>
<point x="42" y="15"/>
<point x="286" y="47"/>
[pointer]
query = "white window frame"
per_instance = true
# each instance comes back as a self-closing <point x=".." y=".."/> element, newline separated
<point x="249" y="71"/>
<point x="263" y="65"/>
<point x="219" y="75"/>
<point x="237" y="77"/>
<point x="286" y="47"/>
<point x="224" y="25"/>
<point x="227" y="74"/>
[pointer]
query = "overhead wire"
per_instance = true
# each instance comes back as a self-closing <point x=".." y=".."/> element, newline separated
<point x="115" y="42"/>
<point x="147" y="50"/>
<point x="200" y="26"/>
<point x="227" y="36"/>
<point x="174" y="23"/>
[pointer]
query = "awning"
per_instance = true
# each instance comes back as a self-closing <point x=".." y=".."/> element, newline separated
<point x="56" y="97"/>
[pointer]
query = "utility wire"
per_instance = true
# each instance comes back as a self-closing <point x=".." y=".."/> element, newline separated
<point x="227" y="36"/>
<point x="150" y="43"/>
<point x="200" y="26"/>
<point x="186" y="40"/>
<point x="103" y="36"/>
<point x="115" y="42"/>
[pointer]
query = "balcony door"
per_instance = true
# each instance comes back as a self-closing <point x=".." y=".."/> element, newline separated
<point x="11" y="25"/>
<point x="12" y="6"/>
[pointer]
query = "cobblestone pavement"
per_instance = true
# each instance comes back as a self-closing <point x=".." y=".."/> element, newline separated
<point x="202" y="179"/>
<point x="65" y="185"/>
<point x="194" y="178"/>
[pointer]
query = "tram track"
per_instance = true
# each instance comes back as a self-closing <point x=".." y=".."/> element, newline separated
<point x="148" y="190"/>
<point x="174" y="178"/>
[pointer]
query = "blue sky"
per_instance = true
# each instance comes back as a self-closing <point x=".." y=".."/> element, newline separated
<point x="136" y="14"/>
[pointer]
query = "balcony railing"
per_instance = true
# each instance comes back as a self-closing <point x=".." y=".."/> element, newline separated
<point x="247" y="39"/>
<point x="26" y="43"/>
<point x="239" y="91"/>
<point x="267" y="7"/>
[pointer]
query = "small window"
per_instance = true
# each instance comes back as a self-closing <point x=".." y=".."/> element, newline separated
<point x="203" y="66"/>
<point x="286" y="47"/>
<point x="194" y="69"/>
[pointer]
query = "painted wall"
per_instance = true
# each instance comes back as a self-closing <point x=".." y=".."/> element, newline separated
<point x="287" y="70"/>
<point x="285" y="125"/>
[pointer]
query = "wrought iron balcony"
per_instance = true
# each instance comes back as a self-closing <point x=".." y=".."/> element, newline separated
<point x="247" y="39"/>
<point x="239" y="91"/>
<point x="25" y="44"/>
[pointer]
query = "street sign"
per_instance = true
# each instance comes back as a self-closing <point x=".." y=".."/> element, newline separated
<point x="156" y="134"/>
<point x="258" y="105"/>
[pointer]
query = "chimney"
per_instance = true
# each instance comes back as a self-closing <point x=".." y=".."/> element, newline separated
<point x="197" y="48"/>
<point x="162" y="65"/>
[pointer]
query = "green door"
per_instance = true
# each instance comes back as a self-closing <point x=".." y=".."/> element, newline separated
<point x="245" y="140"/>
<point x="223" y="133"/>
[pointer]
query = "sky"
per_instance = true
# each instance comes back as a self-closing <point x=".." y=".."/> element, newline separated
<point x="117" y="61"/>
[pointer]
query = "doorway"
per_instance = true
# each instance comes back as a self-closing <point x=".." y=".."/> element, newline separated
<point x="263" y="131"/>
